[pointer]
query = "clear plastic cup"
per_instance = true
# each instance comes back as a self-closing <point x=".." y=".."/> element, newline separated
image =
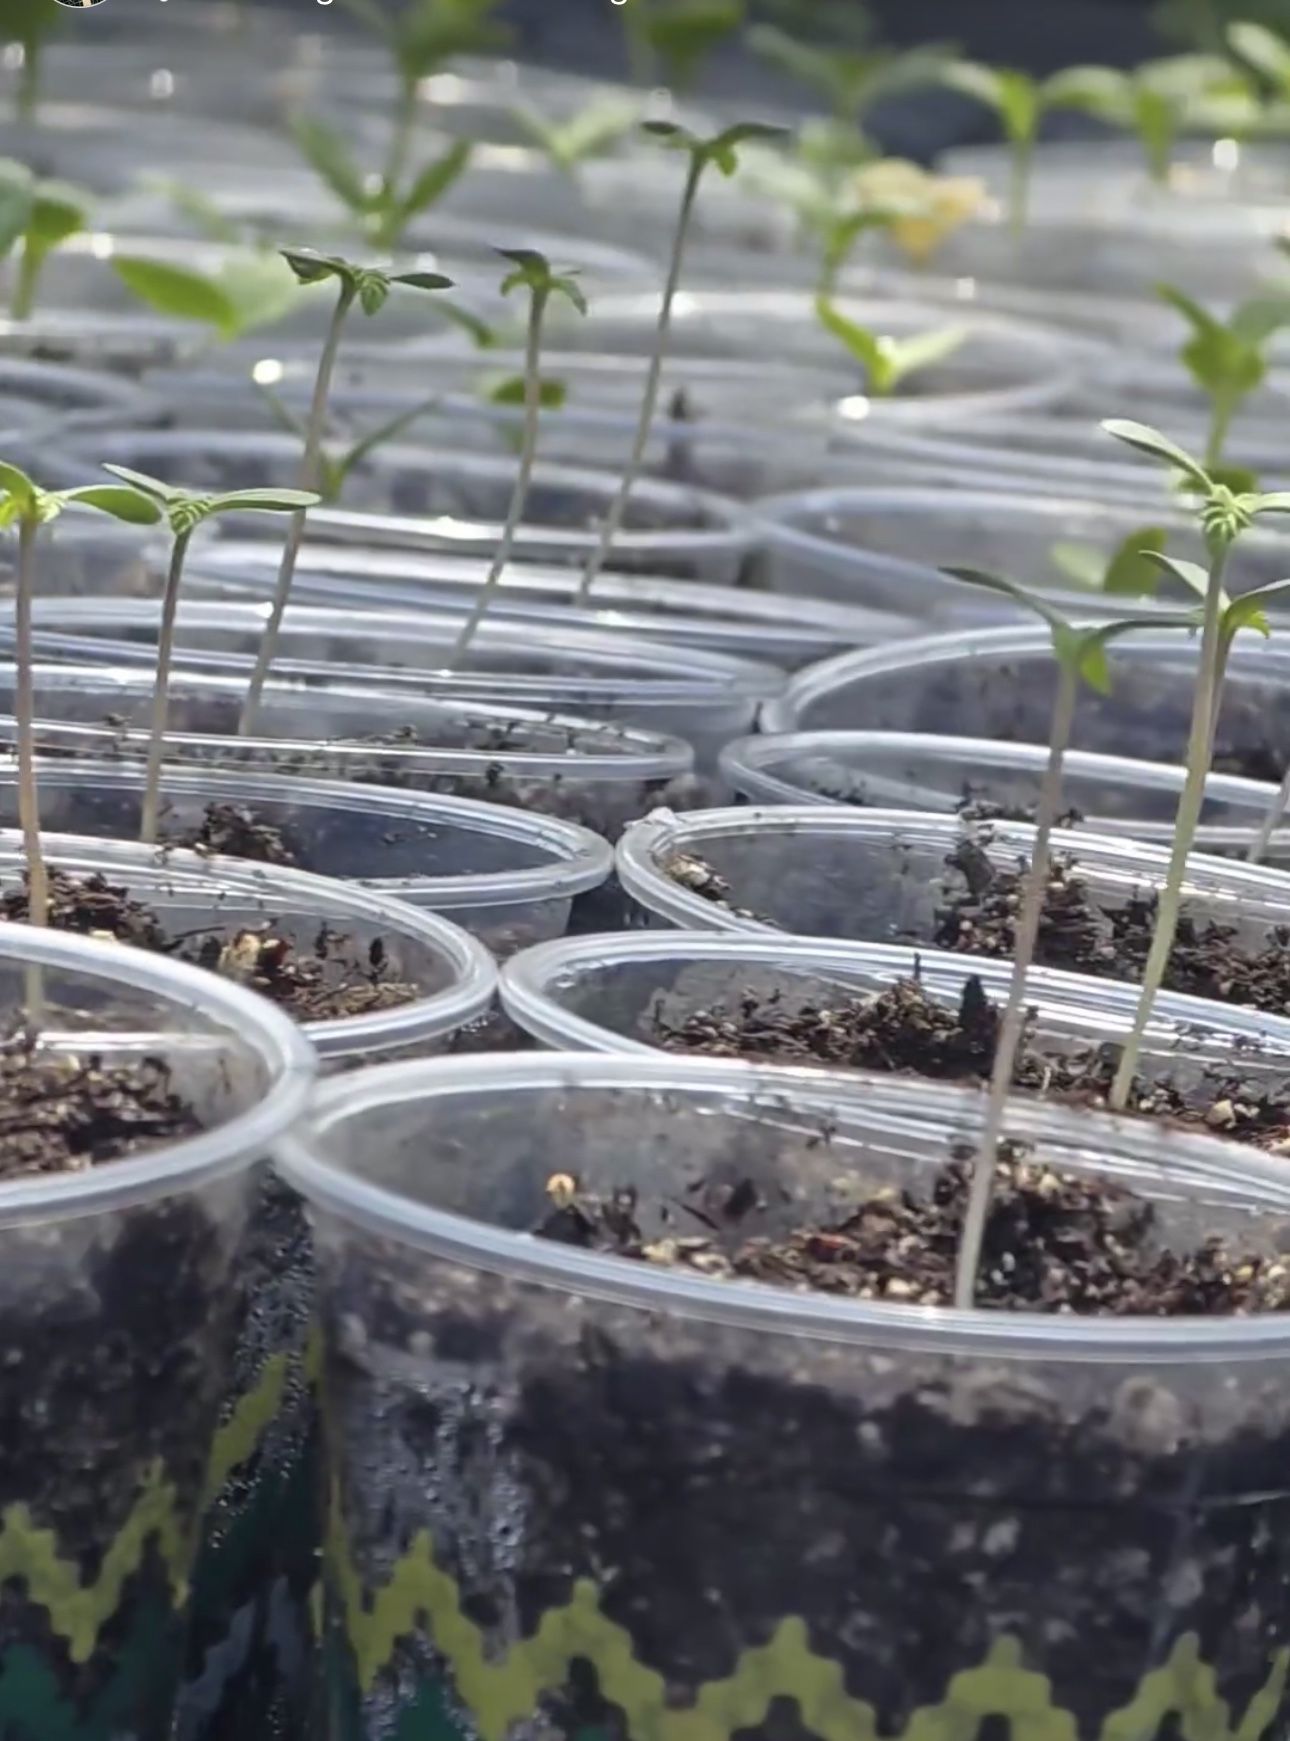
<point x="1002" y="365"/>
<point x="576" y="770"/>
<point x="748" y="624"/>
<point x="508" y="877"/>
<point x="41" y="401"/>
<point x="721" y="1496"/>
<point x="998" y="683"/>
<point x="704" y="698"/>
<point x="438" y="499"/>
<point x="611" y="994"/>
<point x="920" y="771"/>
<point x="119" y="1317"/>
<point x="885" y="876"/>
<point x="889" y="548"/>
<point x="209" y="898"/>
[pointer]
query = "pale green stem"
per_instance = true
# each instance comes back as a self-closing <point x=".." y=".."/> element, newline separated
<point x="314" y="431"/>
<point x="523" y="476"/>
<point x="401" y="138"/>
<point x="1010" y="1029"/>
<point x="1019" y="197"/>
<point x="24" y="290"/>
<point x="1190" y="803"/>
<point x="1220" y="423"/>
<point x="28" y="791"/>
<point x="1275" y="813"/>
<point x="613" y="521"/>
<point x="161" y="694"/>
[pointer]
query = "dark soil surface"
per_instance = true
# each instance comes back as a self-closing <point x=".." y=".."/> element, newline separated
<point x="1207" y="961"/>
<point x="61" y="1113"/>
<point x="1055" y="1242"/>
<point x="234" y="830"/>
<point x="331" y="981"/>
<point x="688" y="871"/>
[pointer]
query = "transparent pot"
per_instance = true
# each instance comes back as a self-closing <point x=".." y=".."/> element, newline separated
<point x="988" y="778"/>
<point x="746" y="623"/>
<point x="900" y="876"/>
<point x="204" y="897"/>
<point x="704" y="698"/>
<point x="506" y="876"/>
<point x="113" y="1392"/>
<point x="635" y="994"/>
<point x="998" y="683"/>
<point x="41" y="401"/>
<point x="576" y="770"/>
<point x="1002" y="365"/>
<point x="936" y="1494"/>
<point x="889" y="547"/>
<point x="439" y="499"/>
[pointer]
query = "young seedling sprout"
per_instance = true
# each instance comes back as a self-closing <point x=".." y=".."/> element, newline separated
<point x="847" y="71"/>
<point x="722" y="149"/>
<point x="421" y="36"/>
<point x="35" y="218"/>
<point x="26" y="507"/>
<point x="369" y="287"/>
<point x="676" y="37"/>
<point x="335" y="465"/>
<point x="1224" y="515"/>
<point x="592" y="132"/>
<point x="1020" y="103"/>
<point x="1227" y="359"/>
<point x="887" y="361"/>
<point x="531" y="272"/>
<point x="1080" y="651"/>
<point x="184" y="511"/>
<point x="1162" y="99"/>
<point x="1129" y="571"/>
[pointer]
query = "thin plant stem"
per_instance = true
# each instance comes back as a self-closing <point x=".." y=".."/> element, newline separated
<point x="161" y="694"/>
<point x="649" y="402"/>
<point x="401" y="138"/>
<point x="1010" y="1029"/>
<point x="29" y="81"/>
<point x="24" y="289"/>
<point x="1220" y="423"/>
<point x="25" y="710"/>
<point x="1190" y="803"/>
<point x="1275" y="813"/>
<point x="1019" y="197"/>
<point x="523" y="476"/>
<point x="296" y="528"/>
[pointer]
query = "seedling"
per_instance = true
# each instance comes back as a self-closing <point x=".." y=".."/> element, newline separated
<point x="35" y="218"/>
<point x="532" y="272"/>
<point x="1228" y="359"/>
<point x="1264" y="49"/>
<point x="369" y="287"/>
<point x="1164" y="98"/>
<point x="887" y="361"/>
<point x="592" y="132"/>
<point x="184" y="511"/>
<point x="30" y="27"/>
<point x="722" y="149"/>
<point x="848" y="75"/>
<point x="335" y="464"/>
<point x="249" y="289"/>
<point x="421" y="37"/>
<point x="676" y="36"/>
<point x="24" y="505"/>
<point x="1080" y="651"/>
<point x="1224" y="515"/>
<point x="1020" y="103"/>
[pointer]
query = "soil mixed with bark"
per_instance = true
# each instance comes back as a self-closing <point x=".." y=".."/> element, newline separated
<point x="331" y="980"/>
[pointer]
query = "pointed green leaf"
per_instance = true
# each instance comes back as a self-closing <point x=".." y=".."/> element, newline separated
<point x="1085" y="655"/>
<point x="264" y="501"/>
<point x="328" y="155"/>
<point x="923" y="351"/>
<point x="1255" y="321"/>
<point x="484" y="335"/>
<point x="1131" y="573"/>
<point x="1082" y="564"/>
<point x="567" y="286"/>
<point x="1097" y="90"/>
<point x="1273" y="502"/>
<point x="1150" y="441"/>
<point x="999" y="583"/>
<point x="373" y="290"/>
<point x="167" y="494"/>
<point x="865" y="346"/>
<point x="510" y="390"/>
<point x="434" y="180"/>
<point x="259" y="289"/>
<point x="283" y="414"/>
<point x="1262" y="49"/>
<point x="376" y="438"/>
<point x="122" y="504"/>
<point x="57" y="211"/>
<point x="18" y="485"/>
<point x="17" y="197"/>
<point x="1191" y="574"/>
<point x="424" y="281"/>
<point x="177" y="291"/>
<point x="310" y="267"/>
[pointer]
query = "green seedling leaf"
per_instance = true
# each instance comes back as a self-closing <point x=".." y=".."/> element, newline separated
<point x="1129" y="573"/>
<point x="1033" y="601"/>
<point x="533" y="271"/>
<point x="17" y="198"/>
<point x="263" y="501"/>
<point x="590" y="133"/>
<point x="552" y="395"/>
<point x="1273" y="502"/>
<point x="1247" y="612"/>
<point x="329" y="156"/>
<point x="887" y="361"/>
<point x="121" y="503"/>
<point x="258" y="288"/>
<point x="1219" y="358"/>
<point x="1014" y="96"/>
<point x="431" y="183"/>
<point x="482" y="333"/>
<point x="168" y="495"/>
<point x="1264" y="50"/>
<point x="1083" y="564"/>
<point x="722" y="148"/>
<point x="1150" y="441"/>
<point x="682" y="33"/>
<point x="1191" y="574"/>
<point x="424" y="35"/>
<point x="178" y="292"/>
<point x="205" y="215"/>
<point x="434" y="281"/>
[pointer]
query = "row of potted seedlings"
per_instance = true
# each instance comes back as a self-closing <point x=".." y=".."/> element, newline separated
<point x="854" y="1301"/>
